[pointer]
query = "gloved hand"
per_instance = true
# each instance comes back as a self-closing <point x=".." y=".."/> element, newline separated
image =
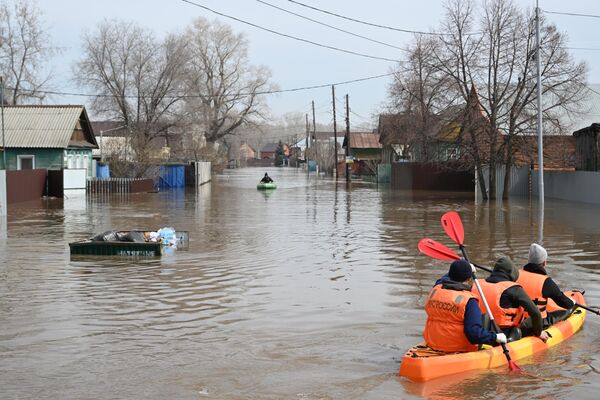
<point x="500" y="338"/>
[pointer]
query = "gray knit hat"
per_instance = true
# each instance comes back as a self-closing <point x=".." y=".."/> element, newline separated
<point x="537" y="254"/>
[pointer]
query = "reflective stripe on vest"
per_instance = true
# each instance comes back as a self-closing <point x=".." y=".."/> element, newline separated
<point x="533" y="284"/>
<point x="504" y="317"/>
<point x="445" y="328"/>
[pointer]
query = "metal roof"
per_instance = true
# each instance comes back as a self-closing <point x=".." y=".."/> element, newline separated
<point x="40" y="126"/>
<point x="364" y="140"/>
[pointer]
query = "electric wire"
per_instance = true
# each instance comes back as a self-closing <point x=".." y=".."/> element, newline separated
<point x="266" y="92"/>
<point x="571" y="14"/>
<point x="329" y="26"/>
<point x="290" y="36"/>
<point x="371" y="23"/>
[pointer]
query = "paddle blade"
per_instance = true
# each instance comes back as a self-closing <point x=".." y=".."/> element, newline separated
<point x="513" y="366"/>
<point x="453" y="226"/>
<point x="436" y="250"/>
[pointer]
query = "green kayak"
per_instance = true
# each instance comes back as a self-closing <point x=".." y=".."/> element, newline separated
<point x="263" y="186"/>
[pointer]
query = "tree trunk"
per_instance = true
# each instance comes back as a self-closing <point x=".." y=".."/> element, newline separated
<point x="508" y="166"/>
<point x="481" y="180"/>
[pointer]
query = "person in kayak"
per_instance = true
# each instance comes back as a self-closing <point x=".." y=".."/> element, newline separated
<point x="540" y="287"/>
<point x="266" y="179"/>
<point x="508" y="301"/>
<point x="453" y="315"/>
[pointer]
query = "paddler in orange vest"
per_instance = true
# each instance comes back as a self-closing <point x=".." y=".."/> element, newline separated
<point x="453" y="315"/>
<point x="508" y="301"/>
<point x="540" y="287"/>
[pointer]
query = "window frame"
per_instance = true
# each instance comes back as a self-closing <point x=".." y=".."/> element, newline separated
<point x="21" y="157"/>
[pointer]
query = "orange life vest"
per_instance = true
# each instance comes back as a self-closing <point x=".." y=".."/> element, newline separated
<point x="533" y="284"/>
<point x="445" y="329"/>
<point x="504" y="317"/>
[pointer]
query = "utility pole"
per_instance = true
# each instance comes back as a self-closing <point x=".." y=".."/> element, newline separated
<point x="348" y="178"/>
<point x="315" y="139"/>
<point x="307" y="143"/>
<point x="335" y="160"/>
<point x="539" y="124"/>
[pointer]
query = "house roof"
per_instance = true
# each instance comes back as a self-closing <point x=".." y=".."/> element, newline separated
<point x="364" y="140"/>
<point x="269" y="147"/>
<point x="109" y="128"/>
<point x="246" y="146"/>
<point x="45" y="126"/>
<point x="272" y="147"/>
<point x="559" y="151"/>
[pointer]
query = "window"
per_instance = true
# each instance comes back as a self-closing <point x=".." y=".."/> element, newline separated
<point x="452" y="153"/>
<point x="85" y="163"/>
<point x="25" y="162"/>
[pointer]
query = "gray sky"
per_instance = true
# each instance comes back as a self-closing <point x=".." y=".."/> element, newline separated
<point x="295" y="64"/>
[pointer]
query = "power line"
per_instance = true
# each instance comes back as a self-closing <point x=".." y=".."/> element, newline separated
<point x="368" y="23"/>
<point x="329" y="26"/>
<point x="290" y="36"/>
<point x="583" y="48"/>
<point x="199" y="96"/>
<point x="571" y="14"/>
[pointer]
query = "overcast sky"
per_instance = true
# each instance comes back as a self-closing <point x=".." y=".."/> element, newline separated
<point x="295" y="64"/>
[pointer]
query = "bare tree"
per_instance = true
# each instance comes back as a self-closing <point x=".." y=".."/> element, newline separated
<point x="494" y="54"/>
<point x="24" y="49"/>
<point x="563" y="86"/>
<point x="223" y="89"/>
<point x="137" y="78"/>
<point x="419" y="93"/>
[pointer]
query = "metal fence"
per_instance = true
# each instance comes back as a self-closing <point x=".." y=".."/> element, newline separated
<point x="519" y="182"/>
<point x="120" y="185"/>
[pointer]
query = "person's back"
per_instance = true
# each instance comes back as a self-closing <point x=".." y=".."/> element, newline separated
<point x="540" y="287"/>
<point x="266" y="179"/>
<point x="508" y="301"/>
<point x="453" y="316"/>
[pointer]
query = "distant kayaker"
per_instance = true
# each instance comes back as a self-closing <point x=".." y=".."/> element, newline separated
<point x="540" y="287"/>
<point x="453" y="315"/>
<point x="266" y="179"/>
<point x="508" y="301"/>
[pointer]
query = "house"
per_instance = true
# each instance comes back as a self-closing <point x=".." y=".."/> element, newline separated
<point x="269" y="150"/>
<point x="395" y="131"/>
<point x="247" y="151"/>
<point x="559" y="152"/>
<point x="112" y="138"/>
<point x="52" y="137"/>
<point x="365" y="150"/>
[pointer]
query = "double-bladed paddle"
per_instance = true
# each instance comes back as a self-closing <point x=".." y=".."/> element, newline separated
<point x="453" y="226"/>
<point x="438" y="251"/>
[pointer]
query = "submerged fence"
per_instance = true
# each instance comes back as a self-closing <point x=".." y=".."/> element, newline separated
<point x="120" y="185"/>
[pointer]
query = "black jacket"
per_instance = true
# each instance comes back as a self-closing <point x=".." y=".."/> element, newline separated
<point x="516" y="296"/>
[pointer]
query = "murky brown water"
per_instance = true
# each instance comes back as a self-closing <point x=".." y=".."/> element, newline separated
<point x="311" y="291"/>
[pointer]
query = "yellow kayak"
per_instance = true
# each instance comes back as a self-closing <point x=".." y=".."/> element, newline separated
<point x="421" y="363"/>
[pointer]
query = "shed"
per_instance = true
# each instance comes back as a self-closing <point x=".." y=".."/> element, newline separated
<point x="365" y="150"/>
<point x="172" y="176"/>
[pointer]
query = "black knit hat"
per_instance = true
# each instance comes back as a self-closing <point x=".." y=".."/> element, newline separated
<point x="460" y="271"/>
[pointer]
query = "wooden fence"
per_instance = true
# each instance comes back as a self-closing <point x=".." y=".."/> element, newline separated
<point x="120" y="185"/>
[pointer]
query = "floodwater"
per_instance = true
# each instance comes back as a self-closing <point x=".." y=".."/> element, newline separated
<point x="310" y="291"/>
